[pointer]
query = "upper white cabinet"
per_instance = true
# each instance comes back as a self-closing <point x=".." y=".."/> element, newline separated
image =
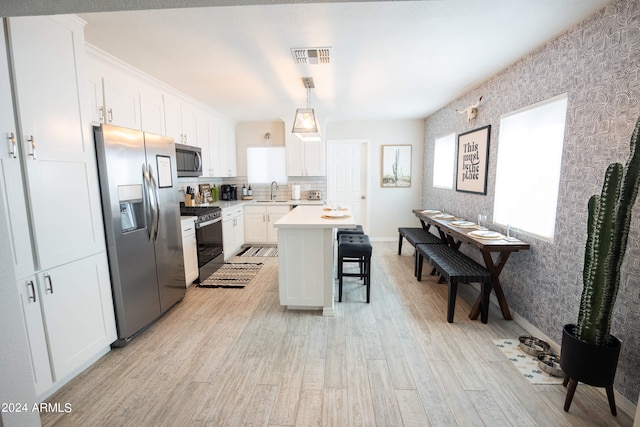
<point x="180" y="120"/>
<point x="54" y="204"/>
<point x="223" y="148"/>
<point x="121" y="103"/>
<point x="304" y="158"/>
<point x="152" y="110"/>
<point x="11" y="185"/>
<point x="118" y="98"/>
<point x="56" y="138"/>
<point x="124" y="96"/>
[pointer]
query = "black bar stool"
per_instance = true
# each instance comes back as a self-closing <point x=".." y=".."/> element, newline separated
<point x="341" y="231"/>
<point x="355" y="248"/>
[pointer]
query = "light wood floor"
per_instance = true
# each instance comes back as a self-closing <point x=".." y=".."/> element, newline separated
<point x="229" y="357"/>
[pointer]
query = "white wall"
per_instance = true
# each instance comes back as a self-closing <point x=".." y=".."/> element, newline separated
<point x="389" y="208"/>
<point x="16" y="380"/>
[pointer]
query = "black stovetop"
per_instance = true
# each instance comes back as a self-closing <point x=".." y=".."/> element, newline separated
<point x="202" y="212"/>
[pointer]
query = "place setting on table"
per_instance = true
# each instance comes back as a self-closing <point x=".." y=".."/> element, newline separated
<point x="454" y="231"/>
<point x="478" y="230"/>
<point x="335" y="211"/>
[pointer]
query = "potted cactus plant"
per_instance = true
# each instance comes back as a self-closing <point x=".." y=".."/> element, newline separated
<point x="589" y="351"/>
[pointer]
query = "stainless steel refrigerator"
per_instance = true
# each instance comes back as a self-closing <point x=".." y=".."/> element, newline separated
<point x="138" y="184"/>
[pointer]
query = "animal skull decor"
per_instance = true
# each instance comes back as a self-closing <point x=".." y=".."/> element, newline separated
<point x="471" y="111"/>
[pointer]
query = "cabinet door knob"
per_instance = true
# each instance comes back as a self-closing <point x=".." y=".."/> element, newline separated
<point x="110" y="111"/>
<point x="32" y="140"/>
<point x="101" y="117"/>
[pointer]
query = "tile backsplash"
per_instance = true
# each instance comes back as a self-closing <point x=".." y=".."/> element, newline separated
<point x="262" y="191"/>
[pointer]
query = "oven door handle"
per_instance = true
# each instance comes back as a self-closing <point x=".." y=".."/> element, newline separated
<point x="204" y="224"/>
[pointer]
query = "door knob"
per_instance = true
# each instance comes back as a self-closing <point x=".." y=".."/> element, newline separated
<point x="363" y="197"/>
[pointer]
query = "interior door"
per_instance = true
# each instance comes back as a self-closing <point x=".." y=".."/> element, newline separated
<point x="347" y="177"/>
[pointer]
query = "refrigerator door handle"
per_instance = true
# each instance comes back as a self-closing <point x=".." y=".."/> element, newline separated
<point x="150" y="211"/>
<point x="154" y="184"/>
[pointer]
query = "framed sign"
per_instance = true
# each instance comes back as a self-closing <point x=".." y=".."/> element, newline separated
<point x="473" y="159"/>
<point x="205" y="190"/>
<point x="164" y="171"/>
<point x="396" y="166"/>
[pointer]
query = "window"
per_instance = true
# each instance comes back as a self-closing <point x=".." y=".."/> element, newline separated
<point x="528" y="167"/>
<point x="266" y="164"/>
<point x="444" y="161"/>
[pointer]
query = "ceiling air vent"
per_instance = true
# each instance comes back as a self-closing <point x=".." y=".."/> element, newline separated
<point x="311" y="55"/>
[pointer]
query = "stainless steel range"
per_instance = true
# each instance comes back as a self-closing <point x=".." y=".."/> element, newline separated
<point x="208" y="237"/>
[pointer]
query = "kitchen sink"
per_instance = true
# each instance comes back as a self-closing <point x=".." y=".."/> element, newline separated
<point x="272" y="201"/>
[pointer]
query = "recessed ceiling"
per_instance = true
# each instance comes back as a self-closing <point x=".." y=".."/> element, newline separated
<point x="389" y="60"/>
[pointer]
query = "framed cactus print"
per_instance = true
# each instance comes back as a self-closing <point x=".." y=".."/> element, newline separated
<point x="396" y="166"/>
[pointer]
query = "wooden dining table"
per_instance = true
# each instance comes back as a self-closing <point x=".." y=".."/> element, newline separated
<point x="455" y="236"/>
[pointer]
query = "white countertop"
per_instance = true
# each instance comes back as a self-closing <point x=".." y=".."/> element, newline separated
<point x="311" y="217"/>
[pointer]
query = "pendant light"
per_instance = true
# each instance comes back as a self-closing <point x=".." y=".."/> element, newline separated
<point x="305" y="124"/>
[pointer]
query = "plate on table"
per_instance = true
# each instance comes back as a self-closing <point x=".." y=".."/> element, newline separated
<point x="431" y="211"/>
<point x="340" y="208"/>
<point x="486" y="234"/>
<point x="463" y="224"/>
<point x="335" y="214"/>
<point x="445" y="216"/>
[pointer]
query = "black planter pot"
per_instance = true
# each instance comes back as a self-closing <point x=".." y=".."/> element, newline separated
<point x="590" y="364"/>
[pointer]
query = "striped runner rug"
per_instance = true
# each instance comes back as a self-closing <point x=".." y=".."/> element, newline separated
<point x="232" y="275"/>
<point x="252" y="251"/>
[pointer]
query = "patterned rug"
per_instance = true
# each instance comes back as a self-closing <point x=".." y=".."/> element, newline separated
<point x="525" y="363"/>
<point x="232" y="275"/>
<point x="259" y="251"/>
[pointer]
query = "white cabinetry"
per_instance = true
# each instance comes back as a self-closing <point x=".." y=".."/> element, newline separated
<point x="65" y="317"/>
<point x="305" y="158"/>
<point x="121" y="103"/>
<point x="32" y="317"/>
<point x="222" y="137"/>
<point x="232" y="230"/>
<point x="121" y="98"/>
<point x="259" y="220"/>
<point x="152" y="110"/>
<point x="180" y="120"/>
<point x="190" y="250"/>
<point x="60" y="158"/>
<point x="11" y="185"/>
<point x="65" y="289"/>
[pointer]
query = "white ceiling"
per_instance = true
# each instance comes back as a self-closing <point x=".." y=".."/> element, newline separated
<point x="390" y="60"/>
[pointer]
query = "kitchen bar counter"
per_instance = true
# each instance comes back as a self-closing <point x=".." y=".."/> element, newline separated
<point x="305" y="258"/>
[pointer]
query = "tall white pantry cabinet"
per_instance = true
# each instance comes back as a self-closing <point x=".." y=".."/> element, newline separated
<point x="48" y="177"/>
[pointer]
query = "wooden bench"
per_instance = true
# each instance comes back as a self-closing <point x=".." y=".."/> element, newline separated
<point x="416" y="236"/>
<point x="455" y="267"/>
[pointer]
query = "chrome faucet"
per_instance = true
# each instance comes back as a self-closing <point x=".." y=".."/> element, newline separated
<point x="272" y="190"/>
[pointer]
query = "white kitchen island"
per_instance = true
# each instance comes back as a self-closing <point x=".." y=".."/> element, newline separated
<point x="305" y="258"/>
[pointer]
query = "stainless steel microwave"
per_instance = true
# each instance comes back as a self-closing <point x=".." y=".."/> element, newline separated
<point x="188" y="160"/>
